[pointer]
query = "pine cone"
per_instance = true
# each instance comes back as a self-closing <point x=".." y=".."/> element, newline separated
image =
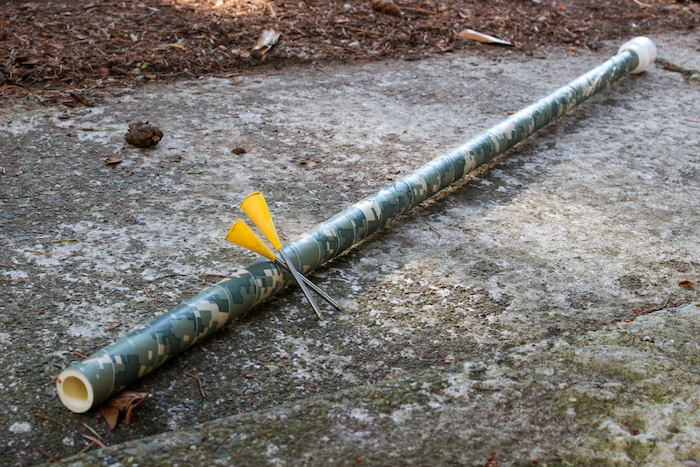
<point x="143" y="134"/>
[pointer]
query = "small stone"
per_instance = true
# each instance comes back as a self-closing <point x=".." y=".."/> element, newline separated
<point x="690" y="464"/>
<point x="563" y="386"/>
<point x="572" y="399"/>
<point x="221" y="454"/>
<point x="7" y="216"/>
<point x="647" y="339"/>
<point x="354" y="45"/>
<point x="151" y="447"/>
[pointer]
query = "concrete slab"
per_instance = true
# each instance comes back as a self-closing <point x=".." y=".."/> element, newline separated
<point x="608" y="397"/>
<point x="578" y="226"/>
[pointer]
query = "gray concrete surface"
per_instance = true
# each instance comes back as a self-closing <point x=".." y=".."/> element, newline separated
<point x="477" y="326"/>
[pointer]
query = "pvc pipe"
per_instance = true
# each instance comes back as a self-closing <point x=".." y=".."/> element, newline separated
<point x="109" y="370"/>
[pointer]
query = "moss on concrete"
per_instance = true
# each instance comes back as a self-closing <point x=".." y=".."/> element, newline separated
<point x="590" y="402"/>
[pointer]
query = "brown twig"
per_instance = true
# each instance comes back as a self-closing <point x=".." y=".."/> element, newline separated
<point x="49" y="458"/>
<point x="39" y="252"/>
<point x="360" y="30"/>
<point x="5" y="265"/>
<point x="44" y="417"/>
<point x="78" y="354"/>
<point x="169" y="275"/>
<point x="201" y="387"/>
<point x="419" y="10"/>
<point x="146" y="292"/>
<point x="113" y="327"/>
<point x="94" y="440"/>
<point x="212" y="274"/>
<point x="435" y="230"/>
<point x="86" y="448"/>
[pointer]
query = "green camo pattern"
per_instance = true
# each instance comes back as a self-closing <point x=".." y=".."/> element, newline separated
<point x="114" y="367"/>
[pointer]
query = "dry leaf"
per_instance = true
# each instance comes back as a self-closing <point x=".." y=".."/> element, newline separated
<point x="125" y="401"/>
<point x="686" y="284"/>
<point x="472" y="35"/>
<point x="113" y="160"/>
<point x="176" y="159"/>
<point x="111" y="415"/>
<point x="268" y="38"/>
<point x="387" y="7"/>
<point x="78" y="98"/>
<point x="239" y="150"/>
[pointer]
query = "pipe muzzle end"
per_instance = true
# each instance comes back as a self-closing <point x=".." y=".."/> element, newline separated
<point x="75" y="391"/>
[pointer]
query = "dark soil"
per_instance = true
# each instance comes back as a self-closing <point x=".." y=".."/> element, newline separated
<point x="73" y="51"/>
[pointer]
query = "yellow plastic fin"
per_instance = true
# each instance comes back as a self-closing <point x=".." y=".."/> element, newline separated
<point x="255" y="207"/>
<point x="242" y="235"/>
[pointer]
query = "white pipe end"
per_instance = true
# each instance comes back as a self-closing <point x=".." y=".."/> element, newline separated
<point x="75" y="391"/>
<point x="645" y="50"/>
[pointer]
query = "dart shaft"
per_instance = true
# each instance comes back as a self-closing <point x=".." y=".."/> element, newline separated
<point x="311" y="285"/>
<point x="300" y="280"/>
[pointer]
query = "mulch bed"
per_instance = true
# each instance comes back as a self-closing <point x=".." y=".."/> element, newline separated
<point x="73" y="52"/>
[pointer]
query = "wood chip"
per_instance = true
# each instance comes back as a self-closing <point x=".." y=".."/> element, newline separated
<point x="268" y="38"/>
<point x="472" y="35"/>
<point x="113" y="160"/>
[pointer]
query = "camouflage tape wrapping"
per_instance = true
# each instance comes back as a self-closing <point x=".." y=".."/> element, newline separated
<point x="111" y="369"/>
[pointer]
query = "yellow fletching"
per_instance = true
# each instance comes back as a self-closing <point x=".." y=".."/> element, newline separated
<point x="255" y="207"/>
<point x="242" y="235"/>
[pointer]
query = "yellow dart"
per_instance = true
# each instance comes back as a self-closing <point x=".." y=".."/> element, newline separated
<point x="255" y="207"/>
<point x="242" y="235"/>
